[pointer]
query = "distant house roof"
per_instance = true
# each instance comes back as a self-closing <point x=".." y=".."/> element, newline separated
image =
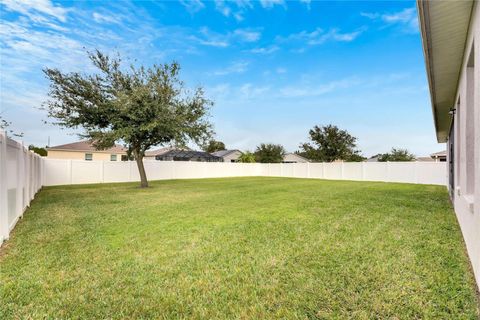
<point x="186" y="155"/>
<point x="223" y="153"/>
<point x="425" y="159"/>
<point x="373" y="158"/>
<point x="86" y="145"/>
<point x="439" y="154"/>
<point x="294" y="155"/>
<point x="156" y="152"/>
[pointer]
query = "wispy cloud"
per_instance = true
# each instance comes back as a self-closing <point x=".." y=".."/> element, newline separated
<point x="250" y="91"/>
<point x="317" y="90"/>
<point x="236" y="67"/>
<point x="406" y="19"/>
<point x="36" y="10"/>
<point x="214" y="39"/>
<point x="104" y="18"/>
<point x="320" y="36"/>
<point x="235" y="9"/>
<point x="193" y="6"/>
<point x="246" y="35"/>
<point x="264" y="50"/>
<point x="307" y="3"/>
<point x="271" y="3"/>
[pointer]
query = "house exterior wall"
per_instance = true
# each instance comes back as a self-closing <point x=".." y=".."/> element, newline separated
<point x="292" y="157"/>
<point x="466" y="146"/>
<point x="232" y="156"/>
<point x="80" y="155"/>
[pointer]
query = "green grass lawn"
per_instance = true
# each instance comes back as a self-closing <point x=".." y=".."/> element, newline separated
<point x="243" y="248"/>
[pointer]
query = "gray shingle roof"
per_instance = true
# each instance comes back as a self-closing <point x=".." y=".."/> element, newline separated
<point x="223" y="153"/>
<point x="86" y="145"/>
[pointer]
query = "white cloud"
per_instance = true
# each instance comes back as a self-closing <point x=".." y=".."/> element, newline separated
<point x="32" y="9"/>
<point x="235" y="9"/>
<point x="246" y="35"/>
<point x="264" y="50"/>
<point x="103" y="18"/>
<point x="193" y="6"/>
<point x="214" y="39"/>
<point x="317" y="90"/>
<point x="319" y="36"/>
<point x="223" y="8"/>
<point x="281" y="70"/>
<point x="307" y="3"/>
<point x="236" y="67"/>
<point x="271" y="3"/>
<point x="250" y="91"/>
<point x="407" y="19"/>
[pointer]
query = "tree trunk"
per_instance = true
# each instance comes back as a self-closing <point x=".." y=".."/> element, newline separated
<point x="141" y="170"/>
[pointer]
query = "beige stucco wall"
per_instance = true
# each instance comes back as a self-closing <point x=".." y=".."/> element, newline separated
<point x="80" y="155"/>
<point x="467" y="142"/>
<point x="232" y="156"/>
<point x="292" y="157"/>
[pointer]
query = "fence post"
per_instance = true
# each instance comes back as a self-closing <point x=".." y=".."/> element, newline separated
<point x="308" y="169"/>
<point x="70" y="163"/>
<point x="19" y="180"/>
<point x="342" y="169"/>
<point x="363" y="170"/>
<point x="416" y="171"/>
<point x="102" y="171"/>
<point x="3" y="188"/>
<point x="387" y="176"/>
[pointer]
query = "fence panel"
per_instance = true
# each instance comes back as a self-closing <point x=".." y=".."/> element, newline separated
<point x="58" y="172"/>
<point x="20" y="178"/>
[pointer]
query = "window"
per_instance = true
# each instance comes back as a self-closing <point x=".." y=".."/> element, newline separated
<point x="88" y="156"/>
<point x="458" y="142"/>
<point x="470" y="125"/>
<point x="113" y="157"/>
<point x="124" y="157"/>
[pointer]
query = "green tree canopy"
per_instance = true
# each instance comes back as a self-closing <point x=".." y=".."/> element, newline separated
<point x="247" y="157"/>
<point x="269" y="153"/>
<point x="329" y="143"/>
<point x="214" y="146"/>
<point x="38" y="150"/>
<point x="139" y="106"/>
<point x="397" y="155"/>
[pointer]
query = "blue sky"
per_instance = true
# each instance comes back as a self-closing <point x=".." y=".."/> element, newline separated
<point x="274" y="69"/>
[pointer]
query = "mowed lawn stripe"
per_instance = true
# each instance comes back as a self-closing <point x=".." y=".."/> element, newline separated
<point x="245" y="248"/>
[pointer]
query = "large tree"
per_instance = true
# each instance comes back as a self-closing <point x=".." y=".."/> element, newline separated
<point x="269" y="153"/>
<point x="397" y="155"/>
<point x="247" y="157"/>
<point x="214" y="146"/>
<point x="139" y="106"/>
<point x="329" y="143"/>
<point x="38" y="150"/>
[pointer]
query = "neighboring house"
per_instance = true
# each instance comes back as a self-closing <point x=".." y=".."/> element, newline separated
<point x="84" y="150"/>
<point x="228" y="155"/>
<point x="294" y="158"/>
<point x="424" y="159"/>
<point x="187" y="155"/>
<point x="451" y="43"/>
<point x="439" y="156"/>
<point x="151" y="155"/>
<point x="373" y="158"/>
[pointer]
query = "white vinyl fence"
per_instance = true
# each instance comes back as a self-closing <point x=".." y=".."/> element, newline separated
<point x="62" y="172"/>
<point x="20" y="179"/>
<point x="23" y="173"/>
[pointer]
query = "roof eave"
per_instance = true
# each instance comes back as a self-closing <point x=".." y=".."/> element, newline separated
<point x="426" y="44"/>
